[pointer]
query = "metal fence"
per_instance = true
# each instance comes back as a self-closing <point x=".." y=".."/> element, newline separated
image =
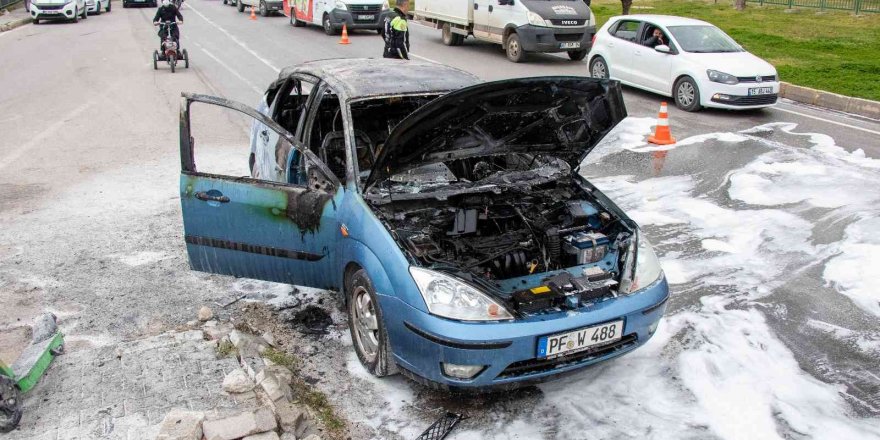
<point x="856" y="6"/>
<point x="5" y="3"/>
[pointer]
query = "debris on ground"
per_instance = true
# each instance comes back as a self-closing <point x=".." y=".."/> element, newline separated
<point x="442" y="427"/>
<point x="181" y="424"/>
<point x="312" y="320"/>
<point x="237" y="381"/>
<point x="205" y="314"/>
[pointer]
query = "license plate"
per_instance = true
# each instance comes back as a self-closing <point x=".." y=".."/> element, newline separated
<point x="50" y="12"/>
<point x="366" y="17"/>
<point x="579" y="340"/>
<point x="755" y="91"/>
<point x="574" y="45"/>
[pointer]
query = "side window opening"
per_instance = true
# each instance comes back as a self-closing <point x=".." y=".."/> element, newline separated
<point x="291" y="109"/>
<point x="327" y="137"/>
<point x="627" y="30"/>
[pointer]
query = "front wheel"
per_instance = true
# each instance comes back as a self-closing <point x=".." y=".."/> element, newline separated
<point x="172" y="60"/>
<point x="155" y="60"/>
<point x="10" y="405"/>
<point x="240" y="6"/>
<point x="98" y="8"/>
<point x="577" y="55"/>
<point x="108" y="5"/>
<point x="85" y="13"/>
<point x="36" y="21"/>
<point x="367" y="326"/>
<point x="515" y="51"/>
<point x="264" y="11"/>
<point x="76" y="15"/>
<point x="598" y="68"/>
<point x="328" y="26"/>
<point x="686" y="94"/>
<point x="185" y="58"/>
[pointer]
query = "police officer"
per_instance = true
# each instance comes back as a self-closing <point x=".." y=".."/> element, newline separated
<point x="396" y="32"/>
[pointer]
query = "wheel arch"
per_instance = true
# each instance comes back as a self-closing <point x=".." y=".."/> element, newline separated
<point x="509" y="30"/>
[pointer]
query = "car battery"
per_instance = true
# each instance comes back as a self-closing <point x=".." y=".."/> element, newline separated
<point x="536" y="299"/>
<point x="587" y="247"/>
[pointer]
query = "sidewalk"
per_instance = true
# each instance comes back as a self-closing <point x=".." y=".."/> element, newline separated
<point x="15" y="18"/>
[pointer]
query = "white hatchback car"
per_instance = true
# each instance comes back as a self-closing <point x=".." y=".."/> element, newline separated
<point x="71" y="10"/>
<point x="95" y="6"/>
<point x="692" y="61"/>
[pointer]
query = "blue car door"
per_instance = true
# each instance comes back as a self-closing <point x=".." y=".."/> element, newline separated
<point x="254" y="227"/>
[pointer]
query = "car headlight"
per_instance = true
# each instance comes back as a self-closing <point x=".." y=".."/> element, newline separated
<point x="721" y="77"/>
<point x="341" y="5"/>
<point x="535" y="19"/>
<point x="647" y="269"/>
<point x="450" y="298"/>
<point x="385" y="6"/>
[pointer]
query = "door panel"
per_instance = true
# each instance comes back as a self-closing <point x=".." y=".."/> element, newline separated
<point x="499" y="17"/>
<point x="481" y="19"/>
<point x="247" y="227"/>
<point x="621" y="47"/>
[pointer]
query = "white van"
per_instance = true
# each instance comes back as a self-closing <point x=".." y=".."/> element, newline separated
<point x="332" y="14"/>
<point x="520" y="26"/>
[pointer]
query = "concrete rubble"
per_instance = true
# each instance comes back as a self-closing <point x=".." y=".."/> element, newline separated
<point x="180" y="424"/>
<point x="237" y="381"/>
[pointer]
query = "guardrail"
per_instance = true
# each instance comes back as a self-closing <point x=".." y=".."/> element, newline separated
<point x="856" y="6"/>
<point x="5" y="3"/>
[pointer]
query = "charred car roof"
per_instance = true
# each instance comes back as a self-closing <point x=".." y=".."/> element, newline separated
<point x="560" y="116"/>
<point x="366" y="77"/>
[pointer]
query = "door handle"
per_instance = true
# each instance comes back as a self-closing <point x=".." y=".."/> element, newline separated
<point x="209" y="198"/>
<point x="476" y="6"/>
<point x="490" y="9"/>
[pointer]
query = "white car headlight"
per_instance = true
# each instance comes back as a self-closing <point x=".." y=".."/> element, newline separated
<point x="721" y="77"/>
<point x="448" y="297"/>
<point x="341" y="5"/>
<point x="647" y="269"/>
<point x="535" y="19"/>
<point x="385" y="6"/>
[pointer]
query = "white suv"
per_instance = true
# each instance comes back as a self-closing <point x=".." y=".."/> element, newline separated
<point x="692" y="61"/>
<point x="71" y="10"/>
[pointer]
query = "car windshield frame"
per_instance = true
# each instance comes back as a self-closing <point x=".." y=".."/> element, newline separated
<point x="693" y="38"/>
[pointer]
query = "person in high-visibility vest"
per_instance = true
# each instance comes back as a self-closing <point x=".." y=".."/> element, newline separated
<point x="396" y="32"/>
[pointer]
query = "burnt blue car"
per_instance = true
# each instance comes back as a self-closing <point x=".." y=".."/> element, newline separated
<point x="449" y="213"/>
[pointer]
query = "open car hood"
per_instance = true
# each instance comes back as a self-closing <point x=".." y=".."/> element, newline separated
<point x="561" y="116"/>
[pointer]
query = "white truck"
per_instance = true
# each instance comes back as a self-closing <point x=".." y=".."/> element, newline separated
<point x="520" y="26"/>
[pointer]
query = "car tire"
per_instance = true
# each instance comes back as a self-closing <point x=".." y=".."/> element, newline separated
<point x="240" y="6"/>
<point x="98" y="9"/>
<point x="124" y="5"/>
<point x="109" y="4"/>
<point x="225" y="2"/>
<point x="185" y="58"/>
<point x="328" y="26"/>
<point x="371" y="344"/>
<point x="577" y="55"/>
<point x="36" y="21"/>
<point x="514" y="49"/>
<point x="85" y="13"/>
<point x="75" y="18"/>
<point x="599" y="68"/>
<point x="264" y="11"/>
<point x="450" y="38"/>
<point x="686" y="94"/>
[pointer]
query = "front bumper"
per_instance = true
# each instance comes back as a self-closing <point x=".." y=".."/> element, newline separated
<point x="352" y="19"/>
<point x="552" y="39"/>
<point x="93" y="5"/>
<point x="421" y="342"/>
<point x="736" y="97"/>
<point x="53" y="12"/>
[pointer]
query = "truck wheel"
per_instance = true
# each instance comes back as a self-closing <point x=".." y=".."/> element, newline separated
<point x="577" y="55"/>
<point x="598" y="68"/>
<point x="450" y="38"/>
<point x="515" y="51"/>
<point x="328" y="26"/>
<point x="240" y="6"/>
<point x="367" y="326"/>
<point x="10" y="405"/>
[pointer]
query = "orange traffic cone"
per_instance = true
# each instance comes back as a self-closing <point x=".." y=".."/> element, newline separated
<point x="344" y="39"/>
<point x="662" y="135"/>
<point x="253" y="16"/>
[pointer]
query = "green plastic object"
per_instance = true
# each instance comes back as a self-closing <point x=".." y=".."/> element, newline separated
<point x="34" y="361"/>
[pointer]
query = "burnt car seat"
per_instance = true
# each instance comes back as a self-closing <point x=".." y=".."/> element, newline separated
<point x="333" y="151"/>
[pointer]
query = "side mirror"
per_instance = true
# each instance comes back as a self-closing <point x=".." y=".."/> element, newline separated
<point x="663" y="49"/>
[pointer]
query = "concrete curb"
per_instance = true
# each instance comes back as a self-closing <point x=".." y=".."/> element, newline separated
<point x="14" y="24"/>
<point x="833" y="101"/>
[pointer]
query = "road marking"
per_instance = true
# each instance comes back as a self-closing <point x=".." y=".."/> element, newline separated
<point x="230" y="69"/>
<point x="236" y="40"/>
<point x="854" y="127"/>
<point x="425" y="58"/>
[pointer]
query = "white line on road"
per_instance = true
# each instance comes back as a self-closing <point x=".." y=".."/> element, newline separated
<point x="854" y="127"/>
<point x="236" y="40"/>
<point x="230" y="69"/>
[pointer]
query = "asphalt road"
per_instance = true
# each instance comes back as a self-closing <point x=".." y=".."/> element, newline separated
<point x="760" y="252"/>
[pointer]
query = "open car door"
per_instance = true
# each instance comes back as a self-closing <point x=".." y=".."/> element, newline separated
<point x="252" y="227"/>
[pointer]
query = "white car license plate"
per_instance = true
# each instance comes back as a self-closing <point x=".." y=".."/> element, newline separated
<point x="755" y="91"/>
<point x="366" y="17"/>
<point x="579" y="340"/>
<point x="574" y="45"/>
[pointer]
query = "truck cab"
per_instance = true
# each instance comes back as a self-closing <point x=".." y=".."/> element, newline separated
<point x="520" y="26"/>
<point x="332" y="15"/>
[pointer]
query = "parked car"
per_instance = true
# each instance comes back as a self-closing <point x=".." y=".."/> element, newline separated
<point x="449" y="213"/>
<point x="94" y="6"/>
<point x="265" y="7"/>
<point x="230" y="2"/>
<point x="150" y="3"/>
<point x="699" y="66"/>
<point x="332" y="14"/>
<point x="58" y="10"/>
<point x="518" y="26"/>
